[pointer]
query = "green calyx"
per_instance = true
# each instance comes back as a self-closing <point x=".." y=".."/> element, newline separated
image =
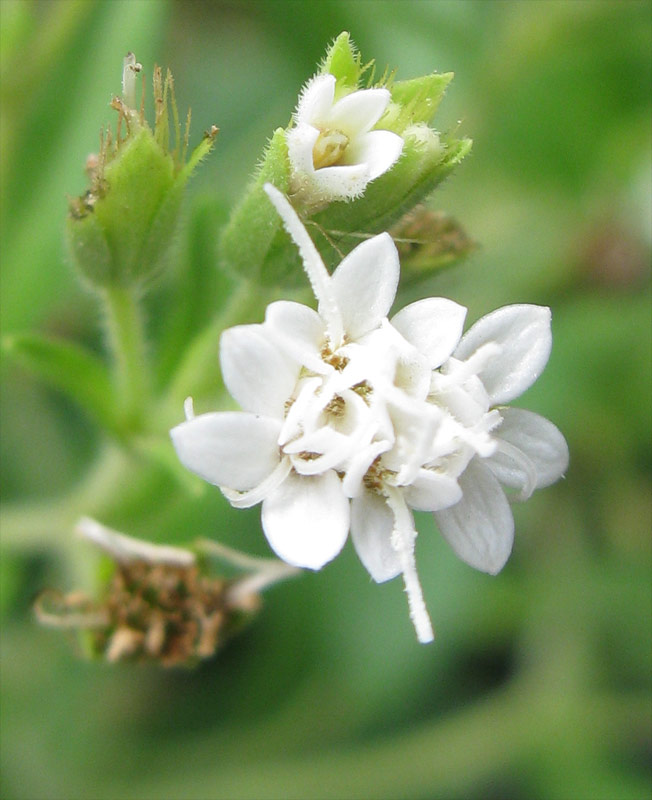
<point x="121" y="230"/>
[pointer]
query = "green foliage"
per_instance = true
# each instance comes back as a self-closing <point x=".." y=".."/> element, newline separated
<point x="69" y="368"/>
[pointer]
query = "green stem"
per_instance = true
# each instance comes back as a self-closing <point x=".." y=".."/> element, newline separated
<point x="127" y="343"/>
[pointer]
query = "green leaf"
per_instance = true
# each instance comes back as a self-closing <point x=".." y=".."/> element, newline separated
<point x="69" y="368"/>
<point x="180" y="315"/>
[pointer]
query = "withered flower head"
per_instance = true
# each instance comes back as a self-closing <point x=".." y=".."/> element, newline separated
<point x="159" y="604"/>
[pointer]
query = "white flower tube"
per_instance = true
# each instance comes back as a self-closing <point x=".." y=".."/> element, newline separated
<point x="333" y="148"/>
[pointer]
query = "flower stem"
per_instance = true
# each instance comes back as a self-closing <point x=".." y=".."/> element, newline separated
<point x="127" y="342"/>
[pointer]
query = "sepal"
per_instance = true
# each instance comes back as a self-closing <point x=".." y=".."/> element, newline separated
<point x="415" y="100"/>
<point x="343" y="61"/>
<point x="254" y="244"/>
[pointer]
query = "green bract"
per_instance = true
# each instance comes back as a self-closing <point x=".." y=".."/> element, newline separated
<point x="121" y="230"/>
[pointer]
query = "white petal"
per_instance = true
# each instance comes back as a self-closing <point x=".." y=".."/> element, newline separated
<point x="259" y="376"/>
<point x="306" y="520"/>
<point x="434" y="326"/>
<point x="301" y="141"/>
<point x="332" y="446"/>
<point x="232" y="448"/>
<point x="523" y="333"/>
<point x="379" y="150"/>
<point x="539" y="440"/>
<point x="372" y="523"/>
<point x="359" y="111"/>
<point x="359" y="464"/>
<point x="340" y="182"/>
<point x="480" y="528"/>
<point x="365" y="284"/>
<point x="299" y="331"/>
<point x="432" y="491"/>
<point x="316" y="100"/>
<point x="299" y="418"/>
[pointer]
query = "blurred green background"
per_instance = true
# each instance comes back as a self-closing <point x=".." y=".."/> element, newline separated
<point x="538" y="685"/>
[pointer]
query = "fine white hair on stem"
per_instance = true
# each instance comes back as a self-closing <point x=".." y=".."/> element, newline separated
<point x="312" y="263"/>
<point x="403" y="542"/>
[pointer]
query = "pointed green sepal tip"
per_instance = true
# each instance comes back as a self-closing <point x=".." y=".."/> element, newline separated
<point x="343" y="61"/>
<point x="416" y="100"/>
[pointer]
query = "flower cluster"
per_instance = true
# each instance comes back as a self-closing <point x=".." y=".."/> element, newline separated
<point x="351" y="420"/>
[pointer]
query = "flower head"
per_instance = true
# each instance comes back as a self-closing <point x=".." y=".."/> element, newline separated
<point x="351" y="420"/>
<point x="333" y="151"/>
<point x="160" y="604"/>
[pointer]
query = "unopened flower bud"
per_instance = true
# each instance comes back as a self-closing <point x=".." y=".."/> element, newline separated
<point x="121" y="230"/>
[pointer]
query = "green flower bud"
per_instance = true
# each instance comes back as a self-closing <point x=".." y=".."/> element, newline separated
<point x="121" y="230"/>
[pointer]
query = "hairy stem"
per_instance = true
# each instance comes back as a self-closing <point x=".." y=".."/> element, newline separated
<point x="127" y="342"/>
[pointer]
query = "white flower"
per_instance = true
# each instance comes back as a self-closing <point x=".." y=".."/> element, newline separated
<point x="333" y="151"/>
<point x="351" y="420"/>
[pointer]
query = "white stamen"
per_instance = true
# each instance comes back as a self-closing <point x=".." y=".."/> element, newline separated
<point x="260" y="492"/>
<point x="524" y="463"/>
<point x="313" y="265"/>
<point x="188" y="408"/>
<point x="462" y="370"/>
<point x="130" y="69"/>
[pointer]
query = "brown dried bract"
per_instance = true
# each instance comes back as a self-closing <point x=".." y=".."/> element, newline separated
<point x="168" y="614"/>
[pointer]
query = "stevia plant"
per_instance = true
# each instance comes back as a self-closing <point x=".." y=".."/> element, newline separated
<point x="350" y="418"/>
